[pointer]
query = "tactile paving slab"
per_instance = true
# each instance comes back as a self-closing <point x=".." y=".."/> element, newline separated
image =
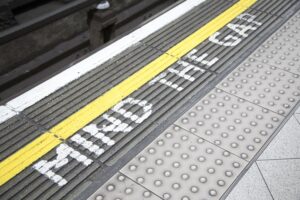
<point x="282" y="49"/>
<point x="119" y="187"/>
<point x="180" y="165"/>
<point x="231" y="123"/>
<point x="15" y="133"/>
<point x="62" y="166"/>
<point x="264" y="85"/>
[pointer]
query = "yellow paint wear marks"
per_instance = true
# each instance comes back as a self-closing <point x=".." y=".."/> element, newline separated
<point x="15" y="163"/>
<point x="100" y="105"/>
<point x="24" y="157"/>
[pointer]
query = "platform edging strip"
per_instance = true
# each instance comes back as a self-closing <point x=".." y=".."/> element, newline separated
<point x="30" y="153"/>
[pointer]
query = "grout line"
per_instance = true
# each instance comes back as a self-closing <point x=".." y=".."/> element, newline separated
<point x="276" y="159"/>
<point x="178" y="58"/>
<point x="284" y="116"/>
<point x="140" y="185"/>
<point x="294" y="115"/>
<point x="211" y="143"/>
<point x="264" y="180"/>
<point x="271" y="65"/>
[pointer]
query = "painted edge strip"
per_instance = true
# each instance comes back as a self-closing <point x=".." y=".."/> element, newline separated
<point x="6" y="113"/>
<point x="48" y="87"/>
<point x="15" y="163"/>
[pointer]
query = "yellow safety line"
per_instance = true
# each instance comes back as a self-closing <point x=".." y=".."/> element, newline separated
<point x="30" y="153"/>
<point x="18" y="161"/>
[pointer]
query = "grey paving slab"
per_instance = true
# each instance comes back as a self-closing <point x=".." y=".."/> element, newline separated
<point x="286" y="143"/>
<point x="170" y="90"/>
<point x="282" y="178"/>
<point x="282" y="49"/>
<point x="264" y="85"/>
<point x="251" y="186"/>
<point x="231" y="123"/>
<point x="154" y="103"/>
<point x="298" y="110"/>
<point x="232" y="41"/>
<point x="60" y="174"/>
<point x="184" y="26"/>
<point x="297" y="116"/>
<point x="180" y="165"/>
<point x="121" y="187"/>
<point x="278" y="8"/>
<point x="214" y="53"/>
<point x="69" y="99"/>
<point x="15" y="133"/>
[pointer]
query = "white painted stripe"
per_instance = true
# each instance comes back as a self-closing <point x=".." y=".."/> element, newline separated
<point x="48" y="87"/>
<point x="6" y="113"/>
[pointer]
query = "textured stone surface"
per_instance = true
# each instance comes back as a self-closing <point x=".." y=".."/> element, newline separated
<point x="286" y="143"/>
<point x="231" y="123"/>
<point x="179" y="165"/>
<point x="282" y="49"/>
<point x="264" y="85"/>
<point x="121" y="188"/>
<point x="250" y="187"/>
<point x="282" y="177"/>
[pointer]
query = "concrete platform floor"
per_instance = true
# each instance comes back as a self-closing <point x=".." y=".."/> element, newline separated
<point x="276" y="174"/>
